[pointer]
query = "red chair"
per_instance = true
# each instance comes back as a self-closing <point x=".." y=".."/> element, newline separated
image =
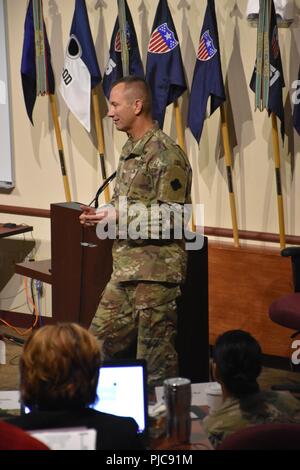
<point x="285" y="311"/>
<point x="13" y="438"/>
<point x="269" y="436"/>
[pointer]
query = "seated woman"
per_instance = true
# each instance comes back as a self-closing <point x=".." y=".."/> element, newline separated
<point x="59" y="371"/>
<point x="237" y="365"/>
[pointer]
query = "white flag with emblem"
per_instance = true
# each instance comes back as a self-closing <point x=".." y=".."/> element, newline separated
<point x="75" y="85"/>
<point x="81" y="71"/>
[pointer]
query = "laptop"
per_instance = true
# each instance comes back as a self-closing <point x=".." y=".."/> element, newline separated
<point x="122" y="391"/>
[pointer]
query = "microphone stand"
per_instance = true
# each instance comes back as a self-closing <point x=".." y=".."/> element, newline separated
<point x="101" y="189"/>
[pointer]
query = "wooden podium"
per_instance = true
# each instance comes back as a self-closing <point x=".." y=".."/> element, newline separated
<point x="80" y="268"/>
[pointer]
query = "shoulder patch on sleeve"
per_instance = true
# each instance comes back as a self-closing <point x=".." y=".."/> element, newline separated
<point x="172" y="185"/>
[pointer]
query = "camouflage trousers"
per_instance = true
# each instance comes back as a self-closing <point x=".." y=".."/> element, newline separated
<point x="141" y="312"/>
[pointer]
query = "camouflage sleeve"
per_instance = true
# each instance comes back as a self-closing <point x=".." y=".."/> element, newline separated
<point x="160" y="222"/>
<point x="173" y="184"/>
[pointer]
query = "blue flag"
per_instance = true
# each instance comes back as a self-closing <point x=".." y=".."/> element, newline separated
<point x="296" y="114"/>
<point x="207" y="79"/>
<point x="114" y="69"/>
<point x="276" y="79"/>
<point x="164" y="70"/>
<point x="30" y="61"/>
<point x="81" y="71"/>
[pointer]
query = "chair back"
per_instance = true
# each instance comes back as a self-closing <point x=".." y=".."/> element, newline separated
<point x="269" y="436"/>
<point x="14" y="438"/>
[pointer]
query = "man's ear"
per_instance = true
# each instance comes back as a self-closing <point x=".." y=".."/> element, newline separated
<point x="138" y="106"/>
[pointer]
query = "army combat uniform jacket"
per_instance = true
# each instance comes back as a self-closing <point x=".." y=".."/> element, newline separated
<point x="152" y="170"/>
<point x="258" y="408"/>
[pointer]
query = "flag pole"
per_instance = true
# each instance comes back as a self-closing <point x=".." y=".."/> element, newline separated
<point x="123" y="37"/>
<point x="228" y="163"/>
<point x="59" y="142"/>
<point x="181" y="143"/>
<point x="100" y="139"/>
<point x="275" y="139"/>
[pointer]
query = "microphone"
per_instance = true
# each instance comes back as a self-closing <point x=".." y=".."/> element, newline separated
<point x="101" y="189"/>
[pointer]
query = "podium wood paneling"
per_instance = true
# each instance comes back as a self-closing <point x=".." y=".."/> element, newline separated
<point x="243" y="282"/>
<point x="79" y="272"/>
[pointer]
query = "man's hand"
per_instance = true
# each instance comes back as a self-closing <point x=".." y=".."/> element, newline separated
<point x="90" y="216"/>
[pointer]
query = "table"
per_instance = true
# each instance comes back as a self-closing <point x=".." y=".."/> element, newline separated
<point x="198" y="439"/>
<point x="8" y="231"/>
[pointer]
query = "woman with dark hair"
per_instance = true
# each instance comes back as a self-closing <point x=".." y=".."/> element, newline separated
<point x="59" y="370"/>
<point x="236" y="366"/>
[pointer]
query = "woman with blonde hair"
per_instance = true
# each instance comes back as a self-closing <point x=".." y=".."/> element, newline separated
<point x="59" y="371"/>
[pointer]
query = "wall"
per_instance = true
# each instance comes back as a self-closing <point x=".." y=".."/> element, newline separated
<point x="37" y="170"/>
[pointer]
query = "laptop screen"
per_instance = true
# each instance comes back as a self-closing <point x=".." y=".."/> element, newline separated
<point x="122" y="390"/>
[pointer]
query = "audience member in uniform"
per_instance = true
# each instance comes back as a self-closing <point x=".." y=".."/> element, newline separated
<point x="59" y="371"/>
<point x="237" y="365"/>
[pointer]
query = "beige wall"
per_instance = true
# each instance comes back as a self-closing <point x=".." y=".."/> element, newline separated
<point x="37" y="170"/>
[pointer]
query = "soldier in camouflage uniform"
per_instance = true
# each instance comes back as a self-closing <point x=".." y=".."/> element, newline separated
<point x="139" y="302"/>
<point x="237" y="364"/>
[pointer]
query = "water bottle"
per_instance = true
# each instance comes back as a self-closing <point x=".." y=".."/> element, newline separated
<point x="177" y="396"/>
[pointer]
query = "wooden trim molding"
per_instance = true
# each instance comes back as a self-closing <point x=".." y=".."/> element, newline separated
<point x="249" y="235"/>
<point x="30" y="211"/>
<point x="209" y="231"/>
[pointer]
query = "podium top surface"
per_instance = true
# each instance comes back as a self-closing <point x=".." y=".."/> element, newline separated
<point x="68" y="205"/>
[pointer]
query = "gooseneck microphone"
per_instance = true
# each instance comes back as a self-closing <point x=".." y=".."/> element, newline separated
<point x="101" y="189"/>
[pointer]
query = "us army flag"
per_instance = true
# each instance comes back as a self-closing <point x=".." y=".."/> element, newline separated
<point x="81" y="71"/>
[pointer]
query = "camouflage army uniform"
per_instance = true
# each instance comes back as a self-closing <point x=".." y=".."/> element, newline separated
<point x="259" y="408"/>
<point x="139" y="301"/>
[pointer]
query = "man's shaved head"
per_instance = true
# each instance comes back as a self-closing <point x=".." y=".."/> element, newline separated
<point x="136" y="88"/>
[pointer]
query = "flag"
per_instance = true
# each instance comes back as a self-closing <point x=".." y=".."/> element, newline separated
<point x="207" y="79"/>
<point x="268" y="68"/>
<point x="164" y="70"/>
<point x="36" y="70"/>
<point x="296" y="98"/>
<point x="81" y="71"/>
<point x="114" y="69"/>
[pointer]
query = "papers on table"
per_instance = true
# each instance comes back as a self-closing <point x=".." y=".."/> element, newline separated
<point x="10" y="400"/>
<point x="67" y="438"/>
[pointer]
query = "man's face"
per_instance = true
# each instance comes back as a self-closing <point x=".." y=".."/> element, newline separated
<point x="122" y="108"/>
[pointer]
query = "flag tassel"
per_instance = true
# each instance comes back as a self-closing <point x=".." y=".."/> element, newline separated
<point x="100" y="139"/>
<point x="228" y="162"/>
<point x="54" y="113"/>
<point x="275" y="139"/>
<point x="123" y="37"/>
